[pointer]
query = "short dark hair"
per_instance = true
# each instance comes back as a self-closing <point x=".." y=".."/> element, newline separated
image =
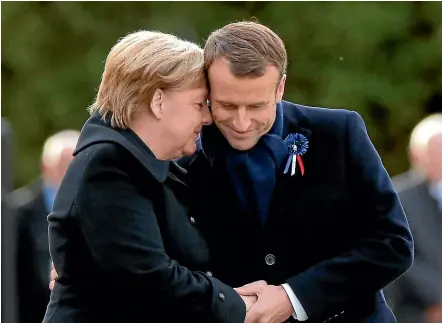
<point x="249" y="47"/>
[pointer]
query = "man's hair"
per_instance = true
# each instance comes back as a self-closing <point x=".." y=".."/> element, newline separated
<point x="248" y="46"/>
<point x="56" y="144"/>
<point x="424" y="130"/>
<point x="141" y="63"/>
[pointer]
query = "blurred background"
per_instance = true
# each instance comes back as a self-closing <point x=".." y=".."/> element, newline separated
<point x="382" y="59"/>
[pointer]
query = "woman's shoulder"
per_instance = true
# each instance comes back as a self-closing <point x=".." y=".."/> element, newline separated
<point x="104" y="157"/>
<point x="110" y="169"/>
<point x="102" y="152"/>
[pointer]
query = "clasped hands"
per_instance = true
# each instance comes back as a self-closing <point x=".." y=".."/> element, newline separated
<point x="265" y="303"/>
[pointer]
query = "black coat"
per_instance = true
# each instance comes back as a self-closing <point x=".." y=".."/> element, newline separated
<point x="9" y="267"/>
<point x="32" y="260"/>
<point x="421" y="287"/>
<point x="336" y="235"/>
<point x="123" y="244"/>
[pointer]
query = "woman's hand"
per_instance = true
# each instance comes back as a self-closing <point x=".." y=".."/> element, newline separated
<point x="54" y="277"/>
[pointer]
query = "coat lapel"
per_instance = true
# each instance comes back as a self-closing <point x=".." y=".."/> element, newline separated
<point x="287" y="186"/>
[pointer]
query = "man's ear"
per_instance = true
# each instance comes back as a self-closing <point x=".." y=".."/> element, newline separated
<point x="156" y="105"/>
<point x="281" y="87"/>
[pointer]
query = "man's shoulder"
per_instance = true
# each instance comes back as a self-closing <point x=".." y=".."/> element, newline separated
<point x="409" y="183"/>
<point x="23" y="197"/>
<point x="25" y="203"/>
<point x="318" y="117"/>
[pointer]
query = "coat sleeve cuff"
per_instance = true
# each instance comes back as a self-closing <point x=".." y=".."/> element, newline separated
<point x="299" y="313"/>
<point x="227" y="305"/>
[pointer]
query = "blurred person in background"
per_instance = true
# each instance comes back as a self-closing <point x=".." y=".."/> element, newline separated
<point x="417" y="295"/>
<point x="6" y="150"/>
<point x="122" y="241"/>
<point x="8" y="233"/>
<point x="31" y="205"/>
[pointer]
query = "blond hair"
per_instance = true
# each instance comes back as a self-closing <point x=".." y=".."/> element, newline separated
<point x="248" y="46"/>
<point x="141" y="63"/>
<point x="424" y="130"/>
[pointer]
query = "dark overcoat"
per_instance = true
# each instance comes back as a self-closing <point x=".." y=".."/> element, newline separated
<point x="337" y="234"/>
<point x="123" y="244"/>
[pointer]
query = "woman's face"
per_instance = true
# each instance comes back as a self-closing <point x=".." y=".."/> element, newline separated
<point x="185" y="113"/>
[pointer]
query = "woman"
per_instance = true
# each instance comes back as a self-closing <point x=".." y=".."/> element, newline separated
<point x="120" y="215"/>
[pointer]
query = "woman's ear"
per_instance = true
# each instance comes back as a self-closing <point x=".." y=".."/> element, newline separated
<point x="157" y="104"/>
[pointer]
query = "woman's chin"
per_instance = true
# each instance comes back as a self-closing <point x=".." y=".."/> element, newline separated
<point x="189" y="149"/>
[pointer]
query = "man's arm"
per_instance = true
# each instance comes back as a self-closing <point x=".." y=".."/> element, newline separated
<point x="424" y="282"/>
<point x="121" y="230"/>
<point x="377" y="258"/>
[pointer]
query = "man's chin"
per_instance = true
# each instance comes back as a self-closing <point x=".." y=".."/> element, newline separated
<point x="242" y="145"/>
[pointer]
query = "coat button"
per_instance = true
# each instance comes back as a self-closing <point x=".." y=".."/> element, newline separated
<point x="270" y="259"/>
<point x="209" y="273"/>
<point x="222" y="297"/>
<point x="192" y="220"/>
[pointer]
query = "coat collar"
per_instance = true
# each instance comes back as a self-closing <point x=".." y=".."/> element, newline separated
<point x="97" y="130"/>
<point x="295" y="119"/>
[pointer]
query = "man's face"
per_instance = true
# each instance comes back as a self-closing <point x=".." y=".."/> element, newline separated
<point x="243" y="109"/>
<point x="434" y="158"/>
<point x="53" y="174"/>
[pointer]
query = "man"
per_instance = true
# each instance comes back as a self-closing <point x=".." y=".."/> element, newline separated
<point x="417" y="295"/>
<point x="8" y="238"/>
<point x="32" y="205"/>
<point x="319" y="220"/>
<point x="316" y="215"/>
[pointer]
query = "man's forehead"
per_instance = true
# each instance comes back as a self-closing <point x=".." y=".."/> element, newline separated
<point x="248" y="85"/>
<point x="436" y="140"/>
<point x="240" y="101"/>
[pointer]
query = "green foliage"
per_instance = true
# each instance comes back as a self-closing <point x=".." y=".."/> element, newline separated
<point x="382" y="59"/>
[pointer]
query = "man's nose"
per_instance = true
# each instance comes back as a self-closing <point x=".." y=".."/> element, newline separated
<point x="241" y="121"/>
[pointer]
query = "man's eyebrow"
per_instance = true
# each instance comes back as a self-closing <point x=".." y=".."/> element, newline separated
<point x="224" y="102"/>
<point x="259" y="103"/>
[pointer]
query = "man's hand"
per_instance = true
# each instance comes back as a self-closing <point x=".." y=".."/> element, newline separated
<point x="273" y="305"/>
<point x="250" y="300"/>
<point x="54" y="277"/>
